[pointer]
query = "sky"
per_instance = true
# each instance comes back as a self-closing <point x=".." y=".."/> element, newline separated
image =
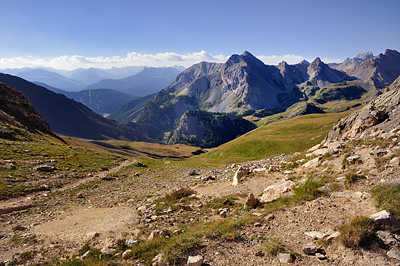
<point x="69" y="34"/>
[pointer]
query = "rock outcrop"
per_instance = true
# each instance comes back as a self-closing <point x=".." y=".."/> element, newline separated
<point x="14" y="106"/>
<point x="378" y="119"/>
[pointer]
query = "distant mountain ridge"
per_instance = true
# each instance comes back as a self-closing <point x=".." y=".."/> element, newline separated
<point x="102" y="101"/>
<point x="147" y="81"/>
<point x="68" y="117"/>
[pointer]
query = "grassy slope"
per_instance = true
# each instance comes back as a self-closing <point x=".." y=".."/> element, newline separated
<point x="287" y="136"/>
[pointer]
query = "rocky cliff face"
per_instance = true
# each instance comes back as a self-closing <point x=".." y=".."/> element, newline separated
<point x="15" y="107"/>
<point x="207" y="130"/>
<point x="378" y="119"/>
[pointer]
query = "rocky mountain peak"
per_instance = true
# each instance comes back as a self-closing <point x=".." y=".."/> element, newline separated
<point x="391" y="52"/>
<point x="304" y="62"/>
<point x="364" y="56"/>
<point x="316" y="63"/>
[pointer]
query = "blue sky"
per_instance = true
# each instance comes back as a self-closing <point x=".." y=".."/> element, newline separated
<point x="73" y="33"/>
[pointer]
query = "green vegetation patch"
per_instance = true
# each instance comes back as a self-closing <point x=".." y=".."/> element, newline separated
<point x="19" y="161"/>
<point x="359" y="233"/>
<point x="387" y="197"/>
<point x="294" y="135"/>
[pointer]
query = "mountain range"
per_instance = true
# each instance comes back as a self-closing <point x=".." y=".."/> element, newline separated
<point x="67" y="117"/>
<point x="245" y="85"/>
<point x="134" y="80"/>
<point x="191" y="108"/>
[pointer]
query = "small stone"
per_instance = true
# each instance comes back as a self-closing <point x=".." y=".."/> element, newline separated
<point x="105" y="256"/>
<point x="310" y="249"/>
<point x="260" y="254"/>
<point x="86" y="254"/>
<point x="393" y="254"/>
<point x="395" y="161"/>
<point x="153" y="234"/>
<point x="284" y="258"/>
<point x="130" y="242"/>
<point x="195" y="260"/>
<point x="320" y="256"/>
<point x="91" y="235"/>
<point x="333" y="236"/>
<point x="192" y="172"/>
<point x="315" y="234"/>
<point x="126" y="254"/>
<point x="269" y="217"/>
<point x="158" y="258"/>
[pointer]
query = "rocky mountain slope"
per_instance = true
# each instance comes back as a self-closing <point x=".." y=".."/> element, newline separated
<point x="147" y="81"/>
<point x="378" y="119"/>
<point x="68" y="117"/>
<point x="373" y="71"/>
<point x="241" y="84"/>
<point x="17" y="112"/>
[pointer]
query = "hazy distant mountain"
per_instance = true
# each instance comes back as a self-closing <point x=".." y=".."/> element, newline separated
<point x="51" y="78"/>
<point x="68" y="117"/>
<point x="373" y="71"/>
<point x="147" y="81"/>
<point x="102" y="101"/>
<point x="18" y="115"/>
<point x="94" y="75"/>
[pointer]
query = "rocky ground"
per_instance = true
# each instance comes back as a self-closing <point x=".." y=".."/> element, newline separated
<point x="121" y="205"/>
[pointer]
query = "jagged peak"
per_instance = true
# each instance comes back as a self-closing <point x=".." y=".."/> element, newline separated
<point x="391" y="52"/>
<point x="364" y="56"/>
<point x="283" y="64"/>
<point x="304" y="62"/>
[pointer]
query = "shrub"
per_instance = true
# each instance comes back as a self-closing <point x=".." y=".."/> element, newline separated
<point x="274" y="246"/>
<point x="358" y="233"/>
<point x="178" y="194"/>
<point x="309" y="190"/>
<point x="352" y="178"/>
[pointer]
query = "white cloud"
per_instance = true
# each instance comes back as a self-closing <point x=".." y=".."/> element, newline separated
<point x="276" y="59"/>
<point x="137" y="59"/>
<point x="131" y="59"/>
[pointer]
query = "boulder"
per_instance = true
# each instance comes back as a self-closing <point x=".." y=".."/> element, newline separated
<point x="384" y="217"/>
<point x="388" y="238"/>
<point x="277" y="190"/>
<point x="312" y="163"/>
<point x="284" y="258"/>
<point x="251" y="201"/>
<point x="45" y="168"/>
<point x="195" y="260"/>
<point x="242" y="171"/>
<point x="310" y="249"/>
<point x="393" y="254"/>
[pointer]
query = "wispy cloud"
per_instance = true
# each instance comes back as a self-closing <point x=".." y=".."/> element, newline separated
<point x="276" y="59"/>
<point x="131" y="59"/>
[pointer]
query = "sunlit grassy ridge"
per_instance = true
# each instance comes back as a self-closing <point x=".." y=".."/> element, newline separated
<point x="18" y="160"/>
<point x="287" y="136"/>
